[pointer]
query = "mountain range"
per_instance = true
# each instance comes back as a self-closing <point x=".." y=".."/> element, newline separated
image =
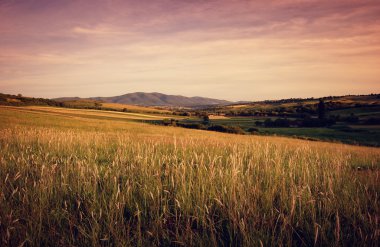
<point x="154" y="99"/>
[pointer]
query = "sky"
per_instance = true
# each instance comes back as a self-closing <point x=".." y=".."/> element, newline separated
<point x="226" y="49"/>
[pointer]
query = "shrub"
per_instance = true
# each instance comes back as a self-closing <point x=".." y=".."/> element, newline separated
<point x="206" y="120"/>
<point x="191" y="125"/>
<point x="253" y="130"/>
<point x="351" y="119"/>
<point x="268" y="122"/>
<point x="258" y="123"/>
<point x="372" y="121"/>
<point x="226" y="129"/>
<point x="280" y="122"/>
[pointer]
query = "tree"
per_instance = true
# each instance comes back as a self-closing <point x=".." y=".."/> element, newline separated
<point x="268" y="122"/>
<point x="258" y="123"/>
<point x="321" y="109"/>
<point x="98" y="105"/>
<point x="206" y="119"/>
<point x="253" y="130"/>
<point x="352" y="118"/>
<point x="281" y="122"/>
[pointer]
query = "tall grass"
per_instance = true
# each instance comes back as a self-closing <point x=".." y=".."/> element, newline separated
<point x="66" y="182"/>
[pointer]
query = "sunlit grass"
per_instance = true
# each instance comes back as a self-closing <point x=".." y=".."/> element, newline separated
<point x="68" y="181"/>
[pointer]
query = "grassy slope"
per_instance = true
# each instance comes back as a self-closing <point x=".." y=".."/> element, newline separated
<point x="348" y="101"/>
<point x="68" y="180"/>
<point x="113" y="106"/>
<point x="91" y="113"/>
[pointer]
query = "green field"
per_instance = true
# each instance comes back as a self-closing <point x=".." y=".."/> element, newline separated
<point x="72" y="180"/>
<point x="368" y="135"/>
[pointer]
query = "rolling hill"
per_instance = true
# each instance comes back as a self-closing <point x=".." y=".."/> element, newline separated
<point x="155" y="99"/>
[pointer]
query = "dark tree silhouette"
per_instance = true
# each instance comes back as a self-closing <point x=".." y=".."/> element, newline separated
<point x="321" y="109"/>
<point x="206" y="120"/>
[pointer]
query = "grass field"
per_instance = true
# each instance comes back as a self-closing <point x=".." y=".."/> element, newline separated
<point x="113" y="106"/>
<point x="354" y="134"/>
<point x="358" y="135"/>
<point x="86" y="113"/>
<point x="89" y="178"/>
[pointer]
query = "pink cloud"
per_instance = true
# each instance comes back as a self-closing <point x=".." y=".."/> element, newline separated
<point x="172" y="40"/>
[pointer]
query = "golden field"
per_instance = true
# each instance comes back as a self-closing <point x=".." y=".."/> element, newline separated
<point x="88" y="113"/>
<point x="83" y="177"/>
<point x="83" y="103"/>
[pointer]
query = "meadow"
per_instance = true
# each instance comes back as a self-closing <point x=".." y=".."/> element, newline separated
<point x="89" y="178"/>
<point x="368" y="135"/>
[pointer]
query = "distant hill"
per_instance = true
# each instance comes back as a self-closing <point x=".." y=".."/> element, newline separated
<point x="155" y="99"/>
<point x="19" y="100"/>
<point x="298" y="107"/>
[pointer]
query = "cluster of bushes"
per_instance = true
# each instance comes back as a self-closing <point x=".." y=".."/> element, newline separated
<point x="83" y="105"/>
<point x="226" y="129"/>
<point x="351" y="119"/>
<point x="372" y="121"/>
<point x="191" y="125"/>
<point x="182" y="113"/>
<point x="260" y="113"/>
<point x="299" y="100"/>
<point x="315" y="122"/>
<point x="19" y="100"/>
<point x="213" y="127"/>
<point x="279" y="122"/>
<point x="306" y="122"/>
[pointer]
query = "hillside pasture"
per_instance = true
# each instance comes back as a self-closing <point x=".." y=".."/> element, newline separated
<point x="95" y="104"/>
<point x="88" y="113"/>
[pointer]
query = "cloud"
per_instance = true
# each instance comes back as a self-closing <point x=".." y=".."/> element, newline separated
<point x="98" y="31"/>
<point x="282" y="44"/>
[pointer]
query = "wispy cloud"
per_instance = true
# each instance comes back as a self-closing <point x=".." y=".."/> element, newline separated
<point x="237" y="48"/>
